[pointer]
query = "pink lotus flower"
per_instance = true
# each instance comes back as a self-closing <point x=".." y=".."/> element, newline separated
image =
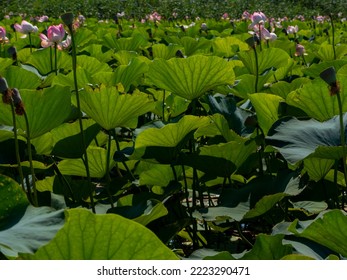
<point x="257" y="18"/>
<point x="55" y="36"/>
<point x="42" y="19"/>
<point x="300" y="50"/>
<point x="246" y="15"/>
<point x="263" y="33"/>
<point x="3" y="38"/>
<point x="25" y="28"/>
<point x="292" y="29"/>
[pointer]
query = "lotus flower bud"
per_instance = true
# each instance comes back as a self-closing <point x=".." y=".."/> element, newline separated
<point x="3" y="85"/>
<point x="17" y="101"/>
<point x="68" y="18"/>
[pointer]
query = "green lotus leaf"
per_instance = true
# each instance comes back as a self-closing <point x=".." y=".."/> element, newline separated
<point x="298" y="139"/>
<point x="267" y="59"/>
<point x="41" y="61"/>
<point x="267" y="247"/>
<point x="43" y="144"/>
<point x="309" y="207"/>
<point x="326" y="52"/>
<point x="233" y="114"/>
<point x="245" y="84"/>
<point x="154" y="174"/>
<point x="283" y="88"/>
<point x="93" y="237"/>
<point x="67" y="138"/>
<point x="124" y="74"/>
<point x="164" y="52"/>
<point x="101" y="53"/>
<point x="228" y="46"/>
<point x="266" y="107"/>
<point x="192" y="77"/>
<point x="83" y="78"/>
<point x="92" y="65"/>
<point x="124" y="57"/>
<point x="222" y="159"/>
<point x="142" y="211"/>
<point x="21" y="79"/>
<point x="35" y="228"/>
<point x="193" y="46"/>
<point x="315" y="69"/>
<point x="97" y="163"/>
<point x="328" y="229"/>
<point x="46" y="109"/>
<point x="133" y="43"/>
<point x="110" y="109"/>
<point x="84" y="36"/>
<point x="317" y="168"/>
<point x="164" y="144"/>
<point x="255" y="198"/>
<point x="13" y="202"/>
<point x="4" y="63"/>
<point x="315" y="100"/>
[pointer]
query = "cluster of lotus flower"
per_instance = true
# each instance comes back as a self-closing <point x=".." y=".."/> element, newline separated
<point x="56" y="36"/>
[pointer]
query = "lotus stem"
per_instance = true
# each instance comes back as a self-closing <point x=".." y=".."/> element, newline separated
<point x="85" y="159"/>
<point x="108" y="177"/>
<point x="333" y="34"/>
<point x="342" y="135"/>
<point x="31" y="49"/>
<point x="32" y="171"/>
<point x="256" y="69"/>
<point x="20" y="171"/>
<point x="55" y="59"/>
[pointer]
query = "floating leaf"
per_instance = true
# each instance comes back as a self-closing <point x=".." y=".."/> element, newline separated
<point x="21" y="79"/>
<point x="192" y="77"/>
<point x="102" y="237"/>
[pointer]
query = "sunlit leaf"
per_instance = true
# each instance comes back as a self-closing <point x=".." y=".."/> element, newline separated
<point x="93" y="237"/>
<point x="111" y="109"/>
<point x="45" y="109"/>
<point x="192" y="77"/>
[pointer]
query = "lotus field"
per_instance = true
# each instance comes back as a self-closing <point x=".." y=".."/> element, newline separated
<point x="173" y="139"/>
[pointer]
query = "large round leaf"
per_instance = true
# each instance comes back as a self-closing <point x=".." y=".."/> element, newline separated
<point x="266" y="106"/>
<point x="297" y="139"/>
<point x="328" y="229"/>
<point x="267" y="59"/>
<point x="164" y="144"/>
<point x="87" y="236"/>
<point x="192" y="77"/>
<point x="46" y="109"/>
<point x="315" y="100"/>
<point x="111" y="109"/>
<point x="35" y="229"/>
